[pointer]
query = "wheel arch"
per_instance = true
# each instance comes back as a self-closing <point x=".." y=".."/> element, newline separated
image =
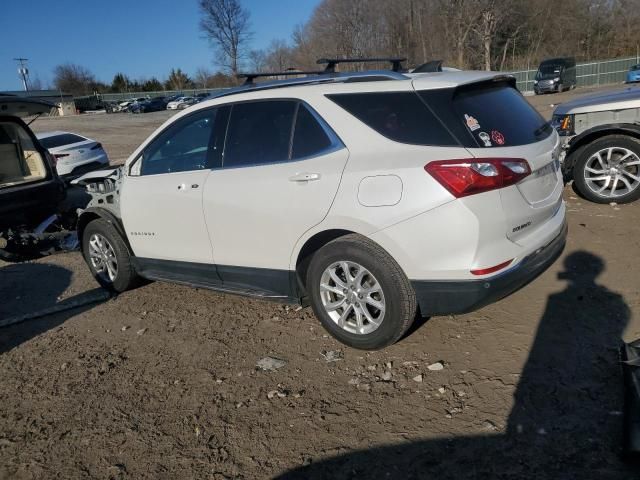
<point x="93" y="213"/>
<point x="310" y="246"/>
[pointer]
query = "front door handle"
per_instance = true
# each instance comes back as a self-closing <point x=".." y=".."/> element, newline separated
<point x="305" y="177"/>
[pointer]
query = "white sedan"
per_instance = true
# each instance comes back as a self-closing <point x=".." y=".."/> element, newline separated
<point x="73" y="153"/>
<point x="180" y="103"/>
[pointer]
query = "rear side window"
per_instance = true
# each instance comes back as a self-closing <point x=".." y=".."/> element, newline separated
<point x="309" y="137"/>
<point x="60" y="140"/>
<point x="499" y="116"/>
<point x="399" y="116"/>
<point x="259" y="133"/>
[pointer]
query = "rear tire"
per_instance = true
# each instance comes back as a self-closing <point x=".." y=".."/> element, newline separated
<point x="108" y="257"/>
<point x="372" y="305"/>
<point x="621" y="167"/>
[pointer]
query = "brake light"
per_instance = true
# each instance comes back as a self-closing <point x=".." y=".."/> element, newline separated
<point x="96" y="146"/>
<point x="476" y="175"/>
<point x="51" y="159"/>
<point x="485" y="271"/>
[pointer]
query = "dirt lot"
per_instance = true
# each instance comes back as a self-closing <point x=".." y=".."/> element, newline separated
<point x="161" y="382"/>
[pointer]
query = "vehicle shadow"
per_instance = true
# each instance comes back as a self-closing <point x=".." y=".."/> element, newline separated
<point x="565" y="423"/>
<point x="30" y="301"/>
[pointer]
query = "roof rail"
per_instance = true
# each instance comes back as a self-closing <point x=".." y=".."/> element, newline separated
<point x="323" y="77"/>
<point x="249" y="77"/>
<point x="396" y="62"/>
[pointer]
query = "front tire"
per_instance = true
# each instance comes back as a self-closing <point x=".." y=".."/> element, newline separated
<point x="360" y="294"/>
<point x="608" y="169"/>
<point x="108" y="257"/>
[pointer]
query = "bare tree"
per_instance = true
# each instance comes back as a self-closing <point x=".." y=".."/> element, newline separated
<point x="226" y="24"/>
<point x="257" y="60"/>
<point x="74" y="79"/>
<point x="202" y="77"/>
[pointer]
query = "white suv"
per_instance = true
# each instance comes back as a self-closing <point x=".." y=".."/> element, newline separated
<point x="372" y="196"/>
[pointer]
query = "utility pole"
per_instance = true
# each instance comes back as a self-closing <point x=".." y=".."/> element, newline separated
<point x="23" y="71"/>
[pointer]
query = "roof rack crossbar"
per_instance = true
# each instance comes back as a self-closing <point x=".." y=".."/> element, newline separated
<point x="396" y="62"/>
<point x="249" y="77"/>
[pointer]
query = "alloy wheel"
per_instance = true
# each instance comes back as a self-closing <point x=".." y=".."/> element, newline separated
<point x="612" y="172"/>
<point x="352" y="297"/>
<point x="103" y="257"/>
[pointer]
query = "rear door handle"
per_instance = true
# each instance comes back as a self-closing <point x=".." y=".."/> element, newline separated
<point x="305" y="177"/>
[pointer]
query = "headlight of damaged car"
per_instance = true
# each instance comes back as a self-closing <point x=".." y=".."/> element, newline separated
<point x="563" y="124"/>
<point x="557" y="79"/>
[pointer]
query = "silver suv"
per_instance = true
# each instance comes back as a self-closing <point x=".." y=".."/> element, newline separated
<point x="601" y="144"/>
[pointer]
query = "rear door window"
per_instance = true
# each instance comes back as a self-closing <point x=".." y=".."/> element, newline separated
<point x="259" y="133"/>
<point x="499" y="116"/>
<point x="400" y="116"/>
<point x="60" y="140"/>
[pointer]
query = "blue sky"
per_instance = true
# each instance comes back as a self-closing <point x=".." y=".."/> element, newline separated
<point x="141" y="38"/>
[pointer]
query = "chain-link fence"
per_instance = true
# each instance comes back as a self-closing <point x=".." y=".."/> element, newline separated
<point x="587" y="74"/>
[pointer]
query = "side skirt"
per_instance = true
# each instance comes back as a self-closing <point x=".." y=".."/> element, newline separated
<point x="265" y="283"/>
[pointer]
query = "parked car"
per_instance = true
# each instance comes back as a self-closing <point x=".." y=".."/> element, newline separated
<point x="181" y="103"/>
<point x="203" y="97"/>
<point x="633" y="75"/>
<point x="36" y="217"/>
<point x="73" y="153"/>
<point x="367" y="199"/>
<point x="601" y="144"/>
<point x="555" y="75"/>
<point x="155" y="104"/>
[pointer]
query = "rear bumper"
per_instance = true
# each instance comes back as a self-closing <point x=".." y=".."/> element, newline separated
<point x="462" y="296"/>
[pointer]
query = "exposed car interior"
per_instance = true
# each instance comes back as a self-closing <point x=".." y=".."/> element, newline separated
<point x="20" y="161"/>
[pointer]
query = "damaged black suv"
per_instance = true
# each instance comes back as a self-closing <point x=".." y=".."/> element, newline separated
<point x="35" y="216"/>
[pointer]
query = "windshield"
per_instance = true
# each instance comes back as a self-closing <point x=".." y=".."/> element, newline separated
<point x="60" y="140"/>
<point x="548" y="71"/>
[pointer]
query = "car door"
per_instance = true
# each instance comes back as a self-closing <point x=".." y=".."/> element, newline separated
<point x="280" y="172"/>
<point x="161" y="199"/>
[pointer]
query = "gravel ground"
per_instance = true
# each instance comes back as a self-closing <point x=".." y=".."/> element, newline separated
<point x="161" y="382"/>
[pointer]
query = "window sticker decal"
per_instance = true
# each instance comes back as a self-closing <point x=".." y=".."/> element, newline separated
<point x="497" y="137"/>
<point x="484" y="136"/>
<point x="472" y="123"/>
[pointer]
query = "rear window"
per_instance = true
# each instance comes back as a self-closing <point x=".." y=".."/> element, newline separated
<point x="399" y="116"/>
<point x="60" y="140"/>
<point x="499" y="116"/>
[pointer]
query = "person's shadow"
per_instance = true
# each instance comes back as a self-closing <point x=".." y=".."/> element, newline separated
<point x="30" y="301"/>
<point x="565" y="423"/>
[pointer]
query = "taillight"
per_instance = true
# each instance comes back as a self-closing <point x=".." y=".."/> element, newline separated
<point x="495" y="268"/>
<point x="96" y="146"/>
<point x="51" y="159"/>
<point x="476" y="175"/>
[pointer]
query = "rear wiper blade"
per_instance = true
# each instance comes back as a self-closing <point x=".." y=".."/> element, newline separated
<point x="35" y="118"/>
